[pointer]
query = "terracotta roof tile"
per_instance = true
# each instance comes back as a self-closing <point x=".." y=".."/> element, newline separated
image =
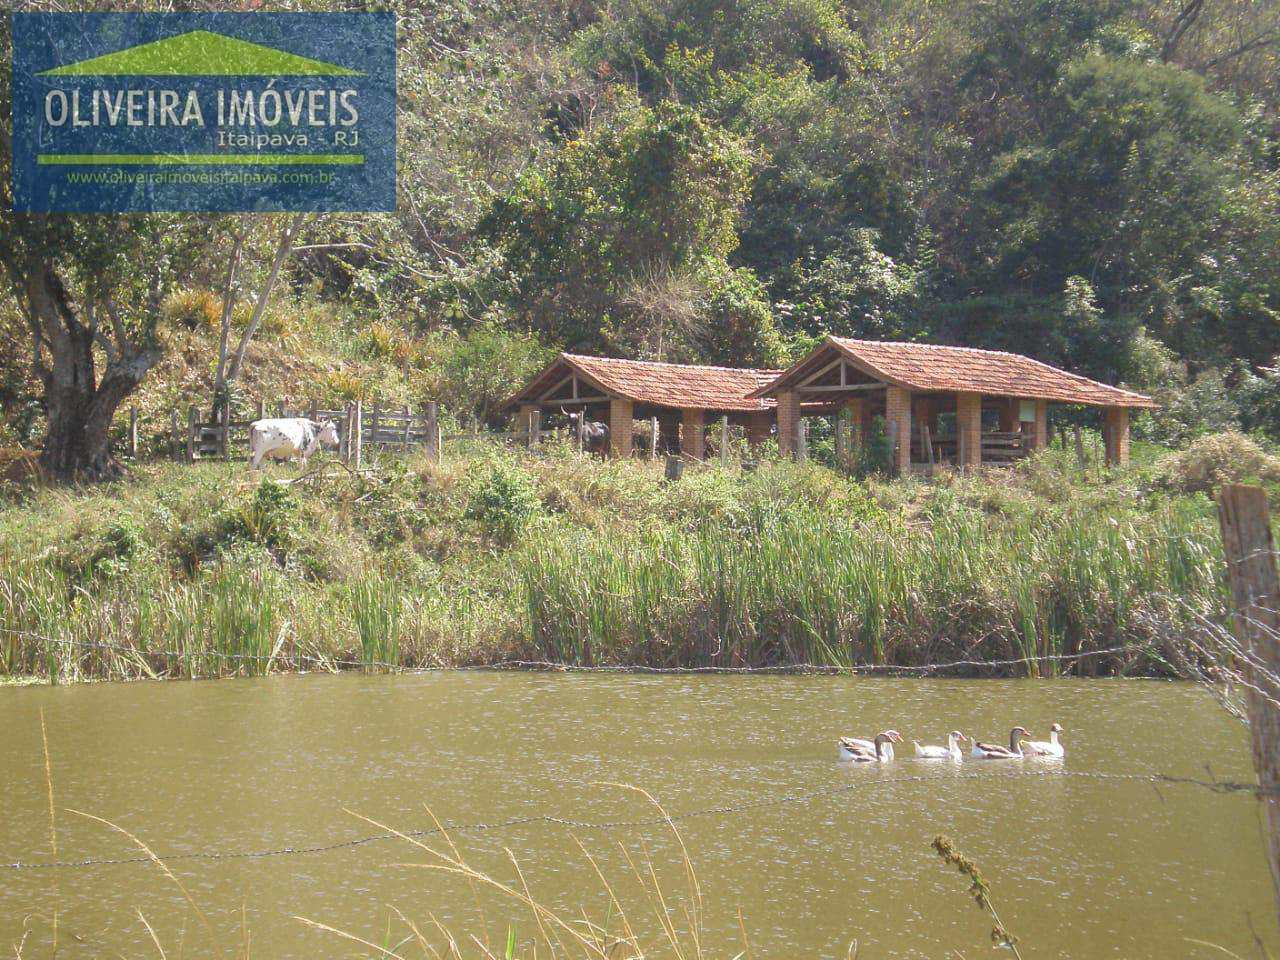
<point x="919" y="366"/>
<point x="676" y="385"/>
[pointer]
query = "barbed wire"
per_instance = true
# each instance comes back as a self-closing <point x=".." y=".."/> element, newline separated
<point x="1215" y="786"/>
<point x="564" y="667"/>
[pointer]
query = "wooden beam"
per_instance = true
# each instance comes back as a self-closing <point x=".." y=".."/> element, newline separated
<point x="840" y="388"/>
<point x="575" y="401"/>
<point x="556" y="386"/>
<point x="817" y="373"/>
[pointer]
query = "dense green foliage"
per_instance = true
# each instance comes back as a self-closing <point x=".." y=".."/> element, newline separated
<point x="1085" y="182"/>
<point x="1094" y="182"/>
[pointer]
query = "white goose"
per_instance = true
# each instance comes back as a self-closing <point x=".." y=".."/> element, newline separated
<point x="993" y="751"/>
<point x="852" y="745"/>
<point x="881" y="748"/>
<point x="1047" y="748"/>
<point x="950" y="752"/>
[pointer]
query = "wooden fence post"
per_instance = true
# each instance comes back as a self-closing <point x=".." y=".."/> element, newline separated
<point x="1255" y="595"/>
<point x="582" y="426"/>
<point x="192" y="420"/>
<point x="535" y="427"/>
<point x="802" y="440"/>
<point x="260" y="409"/>
<point x="224" y="431"/>
<point x="133" y="433"/>
<point x="433" y="432"/>
<point x="724" y="441"/>
<point x="653" y="438"/>
<point x="355" y="442"/>
<point x="376" y="423"/>
<point x="344" y="441"/>
<point x="312" y="407"/>
<point x="1080" y="458"/>
<point x="675" y="468"/>
<point x="408" y="421"/>
<point x="175" y="436"/>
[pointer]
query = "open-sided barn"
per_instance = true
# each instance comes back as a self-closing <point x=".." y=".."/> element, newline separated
<point x="939" y="404"/>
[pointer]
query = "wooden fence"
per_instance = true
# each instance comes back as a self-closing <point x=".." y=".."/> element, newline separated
<point x="362" y="428"/>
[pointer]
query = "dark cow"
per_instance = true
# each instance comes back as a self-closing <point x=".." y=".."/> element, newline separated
<point x="595" y="435"/>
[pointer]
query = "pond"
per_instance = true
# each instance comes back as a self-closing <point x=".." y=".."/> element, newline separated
<point x="814" y="853"/>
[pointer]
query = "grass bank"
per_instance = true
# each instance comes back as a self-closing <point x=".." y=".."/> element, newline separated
<point x="206" y="571"/>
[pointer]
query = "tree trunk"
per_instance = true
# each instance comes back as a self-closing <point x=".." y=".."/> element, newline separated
<point x="80" y="407"/>
<point x="78" y="444"/>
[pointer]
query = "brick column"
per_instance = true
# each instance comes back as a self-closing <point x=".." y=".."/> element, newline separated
<point x="788" y="418"/>
<point x="758" y="427"/>
<point x="1009" y="414"/>
<point x="969" y="428"/>
<point x="858" y="423"/>
<point x="1040" y="427"/>
<point x="849" y="435"/>
<point x="1117" y="436"/>
<point x="897" y="423"/>
<point x="693" y="434"/>
<point x="620" y="427"/>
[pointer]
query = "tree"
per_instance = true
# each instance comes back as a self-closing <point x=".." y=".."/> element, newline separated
<point x="229" y="363"/>
<point x="621" y="240"/>
<point x="89" y="290"/>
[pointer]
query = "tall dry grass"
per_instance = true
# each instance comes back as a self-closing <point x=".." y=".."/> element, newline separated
<point x="207" y="571"/>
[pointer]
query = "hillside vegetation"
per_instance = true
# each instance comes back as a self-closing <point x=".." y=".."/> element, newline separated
<point x="1096" y="183"/>
<point x="498" y="555"/>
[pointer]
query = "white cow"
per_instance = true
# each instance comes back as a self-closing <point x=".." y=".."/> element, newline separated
<point x="286" y="437"/>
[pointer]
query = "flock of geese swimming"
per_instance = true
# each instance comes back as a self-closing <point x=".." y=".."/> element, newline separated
<point x="879" y="749"/>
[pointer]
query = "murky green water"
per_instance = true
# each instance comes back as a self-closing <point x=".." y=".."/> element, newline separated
<point x="1080" y="868"/>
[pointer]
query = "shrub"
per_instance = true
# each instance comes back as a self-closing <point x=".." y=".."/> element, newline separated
<point x="504" y="501"/>
<point x="122" y="543"/>
<point x="476" y="373"/>
<point x="193" y="308"/>
<point x="269" y="519"/>
<point x="1227" y="457"/>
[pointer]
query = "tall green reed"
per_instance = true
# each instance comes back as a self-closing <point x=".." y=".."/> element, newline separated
<point x="807" y="587"/>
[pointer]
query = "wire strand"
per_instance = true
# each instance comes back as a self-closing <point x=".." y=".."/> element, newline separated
<point x="1215" y="786"/>
<point x="562" y="667"/>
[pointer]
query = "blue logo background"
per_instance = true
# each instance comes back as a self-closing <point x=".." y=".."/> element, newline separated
<point x="60" y="167"/>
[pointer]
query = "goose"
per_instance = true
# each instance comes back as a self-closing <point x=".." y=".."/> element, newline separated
<point x="1048" y="748"/>
<point x="851" y="745"/>
<point x="993" y="751"/>
<point x="950" y="752"/>
<point x="881" y="751"/>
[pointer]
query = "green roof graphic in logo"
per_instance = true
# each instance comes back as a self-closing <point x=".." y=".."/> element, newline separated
<point x="201" y="53"/>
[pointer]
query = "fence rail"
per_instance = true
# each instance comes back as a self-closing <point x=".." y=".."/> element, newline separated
<point x="359" y="430"/>
<point x="192" y="435"/>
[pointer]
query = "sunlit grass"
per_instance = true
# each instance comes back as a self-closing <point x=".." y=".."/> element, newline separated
<point x="201" y="571"/>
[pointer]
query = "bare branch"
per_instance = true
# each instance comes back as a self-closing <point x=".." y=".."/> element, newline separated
<point x="332" y="246"/>
<point x="283" y="249"/>
<point x="1183" y="22"/>
<point x="228" y="307"/>
<point x="1262" y="40"/>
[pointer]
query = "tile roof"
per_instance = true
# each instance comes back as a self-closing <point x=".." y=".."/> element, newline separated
<point x="919" y="366"/>
<point x="676" y="385"/>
